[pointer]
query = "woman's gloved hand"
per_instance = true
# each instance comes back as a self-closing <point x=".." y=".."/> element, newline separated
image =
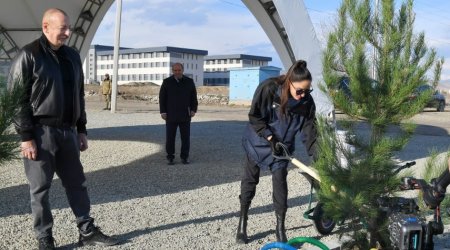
<point x="274" y="145"/>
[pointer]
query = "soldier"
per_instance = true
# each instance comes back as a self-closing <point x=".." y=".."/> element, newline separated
<point x="106" y="91"/>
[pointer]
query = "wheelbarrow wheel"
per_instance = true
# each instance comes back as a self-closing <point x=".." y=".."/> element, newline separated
<point x="322" y="224"/>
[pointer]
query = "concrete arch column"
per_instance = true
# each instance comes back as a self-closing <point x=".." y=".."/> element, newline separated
<point x="289" y="28"/>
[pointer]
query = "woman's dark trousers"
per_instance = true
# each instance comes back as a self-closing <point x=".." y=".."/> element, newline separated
<point x="250" y="179"/>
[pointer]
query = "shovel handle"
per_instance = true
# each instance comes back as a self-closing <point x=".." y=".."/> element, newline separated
<point x="310" y="171"/>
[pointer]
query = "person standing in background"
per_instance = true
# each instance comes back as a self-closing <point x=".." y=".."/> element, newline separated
<point x="178" y="104"/>
<point x="106" y="91"/>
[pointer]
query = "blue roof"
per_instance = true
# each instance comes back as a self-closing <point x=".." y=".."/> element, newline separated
<point x="238" y="56"/>
<point x="156" y="49"/>
<point x="270" y="68"/>
<point x="99" y="47"/>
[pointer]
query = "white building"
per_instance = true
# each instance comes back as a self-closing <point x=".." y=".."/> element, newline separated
<point x="217" y="68"/>
<point x="225" y="62"/>
<point x="148" y="64"/>
<point x="90" y="62"/>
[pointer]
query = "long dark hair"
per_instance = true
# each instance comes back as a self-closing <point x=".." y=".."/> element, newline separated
<point x="297" y="72"/>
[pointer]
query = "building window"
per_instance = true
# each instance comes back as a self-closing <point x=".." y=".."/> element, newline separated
<point x="175" y="55"/>
<point x="165" y="64"/>
<point x="219" y="61"/>
<point x="134" y="65"/>
<point x="140" y="65"/>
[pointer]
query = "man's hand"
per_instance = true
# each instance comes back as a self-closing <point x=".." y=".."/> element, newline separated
<point x="29" y="149"/>
<point x="83" y="141"/>
<point x="192" y="113"/>
<point x="164" y="116"/>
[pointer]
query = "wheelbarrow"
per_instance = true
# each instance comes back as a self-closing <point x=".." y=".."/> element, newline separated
<point x="323" y="224"/>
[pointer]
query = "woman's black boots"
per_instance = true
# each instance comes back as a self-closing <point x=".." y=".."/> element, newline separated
<point x="280" y="230"/>
<point x="241" y="235"/>
<point x="434" y="194"/>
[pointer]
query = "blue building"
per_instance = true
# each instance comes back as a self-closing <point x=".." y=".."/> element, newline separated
<point x="244" y="81"/>
<point x="217" y="67"/>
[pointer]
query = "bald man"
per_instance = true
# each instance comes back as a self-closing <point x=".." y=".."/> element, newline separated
<point x="52" y="125"/>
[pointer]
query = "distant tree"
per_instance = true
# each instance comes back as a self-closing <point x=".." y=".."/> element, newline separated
<point x="9" y="103"/>
<point x="376" y="50"/>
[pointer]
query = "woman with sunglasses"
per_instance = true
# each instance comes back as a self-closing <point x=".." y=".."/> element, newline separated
<point x="281" y="108"/>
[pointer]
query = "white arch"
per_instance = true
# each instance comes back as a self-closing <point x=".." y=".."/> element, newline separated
<point x="289" y="28"/>
<point x="286" y="23"/>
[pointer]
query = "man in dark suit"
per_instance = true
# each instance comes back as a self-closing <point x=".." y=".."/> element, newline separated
<point x="178" y="104"/>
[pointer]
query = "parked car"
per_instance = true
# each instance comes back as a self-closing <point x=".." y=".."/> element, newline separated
<point x="437" y="99"/>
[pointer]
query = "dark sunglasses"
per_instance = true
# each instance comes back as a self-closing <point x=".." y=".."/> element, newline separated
<point x="301" y="91"/>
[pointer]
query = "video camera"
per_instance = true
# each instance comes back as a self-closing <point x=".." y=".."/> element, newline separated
<point x="408" y="230"/>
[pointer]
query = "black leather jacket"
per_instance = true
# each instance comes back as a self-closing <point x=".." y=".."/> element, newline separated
<point x="36" y="66"/>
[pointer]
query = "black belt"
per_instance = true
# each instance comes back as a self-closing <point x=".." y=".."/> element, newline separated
<point x="55" y="123"/>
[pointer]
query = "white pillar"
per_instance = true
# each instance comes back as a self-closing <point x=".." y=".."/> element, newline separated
<point x="115" y="74"/>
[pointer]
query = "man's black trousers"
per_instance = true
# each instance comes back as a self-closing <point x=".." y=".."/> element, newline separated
<point x="171" y="133"/>
<point x="250" y="178"/>
<point x="57" y="152"/>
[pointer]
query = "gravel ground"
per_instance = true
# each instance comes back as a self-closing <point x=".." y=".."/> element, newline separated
<point x="137" y="197"/>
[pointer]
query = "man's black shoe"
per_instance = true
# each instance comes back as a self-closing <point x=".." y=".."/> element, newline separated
<point x="46" y="243"/>
<point x="170" y="162"/>
<point x="95" y="237"/>
<point x="185" y="161"/>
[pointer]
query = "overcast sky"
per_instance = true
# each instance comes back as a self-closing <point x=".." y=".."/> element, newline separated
<point x="227" y="26"/>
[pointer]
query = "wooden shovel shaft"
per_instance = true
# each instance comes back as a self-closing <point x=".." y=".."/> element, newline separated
<point x="312" y="172"/>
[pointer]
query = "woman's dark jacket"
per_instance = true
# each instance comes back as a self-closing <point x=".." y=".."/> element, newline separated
<point x="37" y="67"/>
<point x="266" y="119"/>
